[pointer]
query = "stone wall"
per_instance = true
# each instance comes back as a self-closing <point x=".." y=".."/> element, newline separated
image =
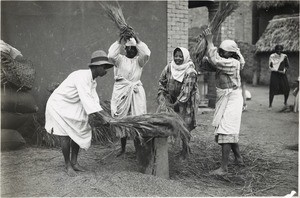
<point x="178" y="24"/>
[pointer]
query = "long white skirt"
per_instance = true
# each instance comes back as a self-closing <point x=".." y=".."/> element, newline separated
<point x="228" y="113"/>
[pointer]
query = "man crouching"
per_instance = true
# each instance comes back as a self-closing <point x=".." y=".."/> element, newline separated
<point x="71" y="107"/>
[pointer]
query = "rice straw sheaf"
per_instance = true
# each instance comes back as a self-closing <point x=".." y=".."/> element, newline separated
<point x="43" y="138"/>
<point x="225" y="8"/>
<point x="143" y="126"/>
<point x="164" y="108"/>
<point x="147" y="125"/>
<point x="163" y="124"/>
<point x="116" y="15"/>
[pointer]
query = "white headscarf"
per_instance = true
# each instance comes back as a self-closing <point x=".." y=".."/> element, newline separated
<point x="178" y="71"/>
<point x="229" y="45"/>
<point x="131" y="42"/>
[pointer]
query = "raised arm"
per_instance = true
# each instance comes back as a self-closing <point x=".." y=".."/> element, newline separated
<point x="143" y="51"/>
<point x="223" y="64"/>
<point x="114" y="52"/>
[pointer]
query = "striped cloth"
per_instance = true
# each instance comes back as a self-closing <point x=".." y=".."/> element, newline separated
<point x="186" y="92"/>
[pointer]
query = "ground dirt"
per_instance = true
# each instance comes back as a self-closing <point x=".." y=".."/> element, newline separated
<point x="268" y="143"/>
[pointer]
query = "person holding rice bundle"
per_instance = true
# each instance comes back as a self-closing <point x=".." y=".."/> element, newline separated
<point x="73" y="107"/>
<point x="178" y="89"/>
<point x="279" y="64"/>
<point x="128" y="97"/>
<point x="227" y="61"/>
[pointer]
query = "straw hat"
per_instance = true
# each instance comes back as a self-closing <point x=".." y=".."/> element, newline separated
<point x="98" y="58"/>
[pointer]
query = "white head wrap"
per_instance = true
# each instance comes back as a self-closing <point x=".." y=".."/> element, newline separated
<point x="178" y="71"/>
<point x="131" y="42"/>
<point x="229" y="46"/>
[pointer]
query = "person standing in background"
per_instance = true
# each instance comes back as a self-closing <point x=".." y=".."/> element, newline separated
<point x="279" y="85"/>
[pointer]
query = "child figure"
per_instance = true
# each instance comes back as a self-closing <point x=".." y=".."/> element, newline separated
<point x="227" y="62"/>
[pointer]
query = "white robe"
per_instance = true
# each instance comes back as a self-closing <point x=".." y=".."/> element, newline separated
<point x="70" y="104"/>
<point x="128" y="97"/>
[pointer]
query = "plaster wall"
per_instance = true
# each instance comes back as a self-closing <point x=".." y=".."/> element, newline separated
<point x="59" y="37"/>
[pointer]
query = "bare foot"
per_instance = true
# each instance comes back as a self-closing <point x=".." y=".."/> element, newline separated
<point x="219" y="171"/>
<point x="77" y="167"/>
<point x="121" y="153"/>
<point x="239" y="162"/>
<point x="71" y="172"/>
<point x="182" y="158"/>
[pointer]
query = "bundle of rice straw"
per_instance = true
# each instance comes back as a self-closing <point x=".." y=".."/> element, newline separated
<point x="42" y="136"/>
<point x="143" y="126"/>
<point x="163" y="107"/>
<point x="16" y="73"/>
<point x="116" y="15"/>
<point x="225" y="8"/>
<point x="146" y="125"/>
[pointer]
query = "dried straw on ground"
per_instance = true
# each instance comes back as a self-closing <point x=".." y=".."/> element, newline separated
<point x="198" y="50"/>
<point x="116" y="15"/>
<point x="260" y="173"/>
<point x="282" y="30"/>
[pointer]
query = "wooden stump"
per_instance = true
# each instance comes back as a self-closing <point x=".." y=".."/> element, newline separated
<point x="153" y="156"/>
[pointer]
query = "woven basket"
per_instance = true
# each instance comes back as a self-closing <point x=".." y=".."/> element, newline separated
<point x="17" y="73"/>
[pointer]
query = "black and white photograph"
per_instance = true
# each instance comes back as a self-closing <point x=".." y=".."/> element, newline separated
<point x="157" y="98"/>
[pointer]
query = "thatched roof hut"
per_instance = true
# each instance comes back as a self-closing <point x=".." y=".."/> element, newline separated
<point x="282" y="29"/>
<point x="275" y="3"/>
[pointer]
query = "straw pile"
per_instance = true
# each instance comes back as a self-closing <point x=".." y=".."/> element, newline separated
<point x="43" y="138"/>
<point x="282" y="30"/>
<point x="260" y="173"/>
<point x="225" y="8"/>
<point x="163" y="106"/>
<point x="116" y="15"/>
<point x="19" y="74"/>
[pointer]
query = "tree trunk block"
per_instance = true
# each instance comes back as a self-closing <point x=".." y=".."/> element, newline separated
<point x="153" y="156"/>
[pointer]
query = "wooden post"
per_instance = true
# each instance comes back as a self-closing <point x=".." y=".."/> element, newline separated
<point x="153" y="156"/>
